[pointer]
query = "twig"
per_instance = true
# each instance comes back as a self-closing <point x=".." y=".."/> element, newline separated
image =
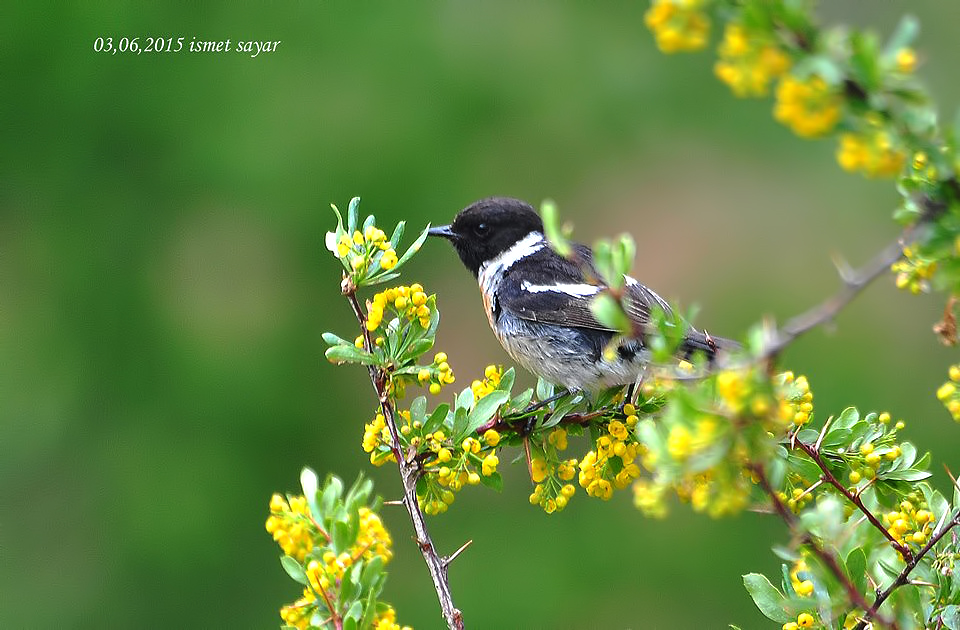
<point x="409" y="473"/>
<point x="806" y="538"/>
<point x="904" y="575"/>
<point x="828" y="476"/>
<point x="854" y="281"/>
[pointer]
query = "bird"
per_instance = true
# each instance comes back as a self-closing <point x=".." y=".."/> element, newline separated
<point x="538" y="302"/>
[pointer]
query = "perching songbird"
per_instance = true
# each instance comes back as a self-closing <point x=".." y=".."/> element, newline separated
<point x="538" y="302"/>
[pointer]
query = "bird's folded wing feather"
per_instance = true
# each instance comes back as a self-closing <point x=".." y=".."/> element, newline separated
<point x="553" y="290"/>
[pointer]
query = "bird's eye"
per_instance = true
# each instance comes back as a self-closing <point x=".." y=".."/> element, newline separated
<point x="481" y="229"/>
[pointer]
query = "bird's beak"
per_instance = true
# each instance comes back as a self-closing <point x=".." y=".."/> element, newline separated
<point x="443" y="231"/>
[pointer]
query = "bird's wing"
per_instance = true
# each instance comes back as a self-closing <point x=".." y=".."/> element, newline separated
<point x="550" y="289"/>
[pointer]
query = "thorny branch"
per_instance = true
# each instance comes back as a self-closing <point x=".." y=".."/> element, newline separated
<point x="814" y="454"/>
<point x="409" y="473"/>
<point x="825" y="556"/>
<point x="905" y="573"/>
<point x="854" y="281"/>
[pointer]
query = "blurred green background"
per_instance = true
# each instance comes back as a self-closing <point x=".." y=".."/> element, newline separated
<point x="163" y="288"/>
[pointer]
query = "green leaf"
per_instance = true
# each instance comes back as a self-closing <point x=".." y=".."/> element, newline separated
<point x="459" y="421"/>
<point x="857" y="568"/>
<point x="951" y="617"/>
<point x="310" y="484"/>
<point x="331" y="494"/>
<point x="563" y="407"/>
<point x="352" y="211"/>
<point x="350" y="584"/>
<point x="483" y="411"/>
<point x="551" y="228"/>
<point x="371" y="571"/>
<point x="544" y="389"/>
<point x="418" y="409"/>
<point x="334" y="340"/>
<point x="359" y="493"/>
<point x="521" y="400"/>
<point x="465" y="399"/>
<point x="908" y="455"/>
<point x="342" y="539"/>
<point x="494" y="481"/>
<point x="435" y="421"/>
<point x="416" y="349"/>
<point x="506" y="381"/>
<point x="397" y="234"/>
<point x="349" y="354"/>
<point x="294" y="569"/>
<point x="370" y="607"/>
<point x="849" y="417"/>
<point x="609" y="312"/>
<point x="767" y="598"/>
<point x="350" y="623"/>
<point x="903" y="35"/>
<point x="908" y="474"/>
<point x="414" y="247"/>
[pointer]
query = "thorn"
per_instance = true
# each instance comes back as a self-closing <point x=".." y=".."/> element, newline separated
<point x="394" y="502"/>
<point x="847" y="273"/>
<point x="453" y="556"/>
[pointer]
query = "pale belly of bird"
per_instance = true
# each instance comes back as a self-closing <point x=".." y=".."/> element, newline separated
<point x="570" y="357"/>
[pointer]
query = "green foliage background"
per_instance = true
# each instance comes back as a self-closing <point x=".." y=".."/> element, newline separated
<point x="163" y="287"/>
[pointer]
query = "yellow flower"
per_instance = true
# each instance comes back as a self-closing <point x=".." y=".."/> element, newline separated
<point x="648" y="498"/>
<point x="389" y="259"/>
<point x="679" y="442"/>
<point x="871" y="152"/>
<point x="678" y="25"/>
<point x="914" y="271"/>
<point x="618" y="430"/>
<point x="538" y="470"/>
<point x="749" y="61"/>
<point x="489" y="465"/>
<point x="809" y="107"/>
<point x="906" y="60"/>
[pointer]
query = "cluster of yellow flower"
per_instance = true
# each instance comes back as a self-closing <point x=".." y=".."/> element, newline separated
<point x="909" y="524"/>
<point x="914" y="271"/>
<point x="290" y="526"/>
<point x="372" y="540"/>
<point x="678" y="25"/>
<point x="293" y="527"/>
<point x="387" y="620"/>
<point x="749" y="62"/>
<point x="922" y="168"/>
<point x="719" y="491"/>
<point x="451" y="468"/>
<point x="739" y="392"/>
<point x="872" y="152"/>
<point x="799" y="494"/>
<point x="949" y="395"/>
<point x="804" y="620"/>
<point x="682" y="443"/>
<point x="810" y="107"/>
<point x="491" y="380"/>
<point x="405" y="301"/>
<point x="438" y="374"/>
<point x="648" y="497"/>
<point x="796" y="399"/>
<point x="552" y="474"/>
<point x="361" y="248"/>
<point x="872" y="455"/>
<point x="376" y="434"/>
<point x="612" y="464"/>
<point x="799" y="578"/>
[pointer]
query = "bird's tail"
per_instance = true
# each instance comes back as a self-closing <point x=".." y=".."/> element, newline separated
<point x="702" y="342"/>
